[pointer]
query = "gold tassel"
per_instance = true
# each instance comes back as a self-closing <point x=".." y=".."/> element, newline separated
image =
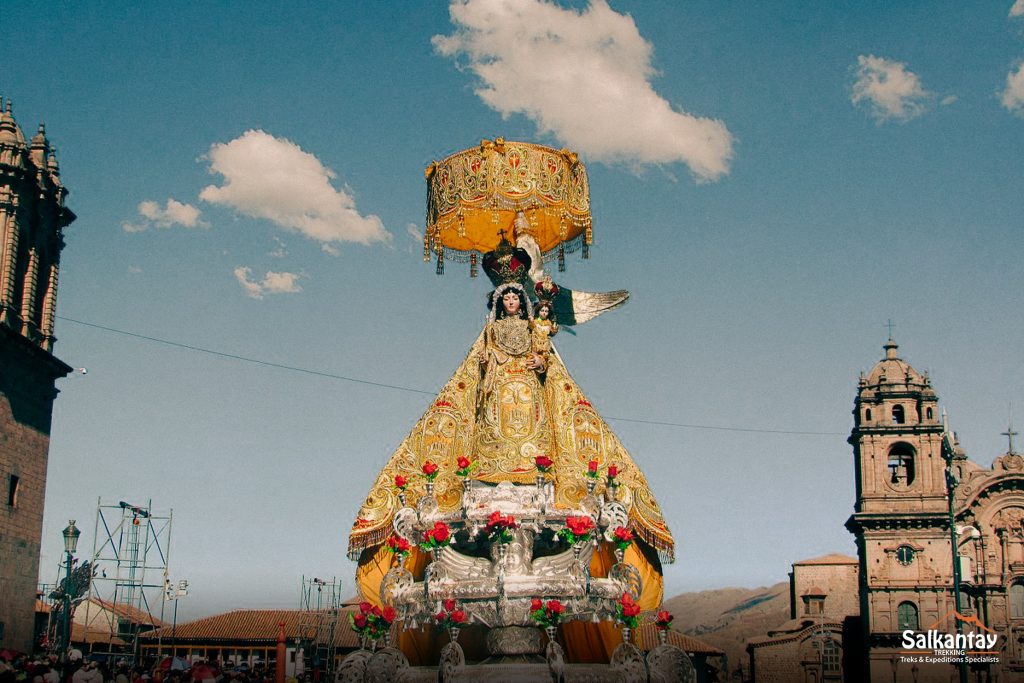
<point x="426" y="247"/>
<point x="472" y="264"/>
<point x="440" y="259"/>
<point x="561" y="257"/>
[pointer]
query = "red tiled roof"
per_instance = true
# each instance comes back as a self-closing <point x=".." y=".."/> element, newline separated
<point x="645" y="637"/>
<point x="79" y="634"/>
<point x="256" y="625"/>
<point x="129" y="612"/>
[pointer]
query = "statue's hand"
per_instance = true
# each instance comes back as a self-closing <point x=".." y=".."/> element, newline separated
<point x="536" y="362"/>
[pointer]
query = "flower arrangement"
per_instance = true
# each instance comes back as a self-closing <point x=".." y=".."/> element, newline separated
<point x="372" y="621"/>
<point x="543" y="463"/>
<point x="546" y="615"/>
<point x="401" y="483"/>
<point x="577" y="529"/>
<point x="613" y="471"/>
<point x="499" y="528"/>
<point x="622" y="537"/>
<point x="465" y="466"/>
<point x="436" y="538"/>
<point x="430" y="471"/>
<point x="592" y="469"/>
<point x="627" y="612"/>
<point x="398" y="546"/>
<point x="663" y="621"/>
<point x="449" y="616"/>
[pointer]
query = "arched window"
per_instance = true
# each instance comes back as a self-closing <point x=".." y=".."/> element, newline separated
<point x="901" y="464"/>
<point x="830" y="656"/>
<point x="928" y="413"/>
<point x="898" y="416"/>
<point x="1017" y="601"/>
<point x="906" y="615"/>
<point x="867" y="414"/>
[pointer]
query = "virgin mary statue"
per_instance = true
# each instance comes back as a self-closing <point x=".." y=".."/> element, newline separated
<point x="510" y="401"/>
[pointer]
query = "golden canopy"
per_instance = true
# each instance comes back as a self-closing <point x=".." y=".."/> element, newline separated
<point x="473" y="197"/>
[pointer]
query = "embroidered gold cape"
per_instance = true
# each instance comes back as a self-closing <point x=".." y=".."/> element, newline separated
<point x="449" y="428"/>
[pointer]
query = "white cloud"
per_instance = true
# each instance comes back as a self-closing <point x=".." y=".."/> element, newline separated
<point x="584" y="77"/>
<point x="1018" y="9"/>
<point x="272" y="283"/>
<point x="890" y="91"/>
<point x="413" y="231"/>
<point x="172" y="213"/>
<point x="1013" y="96"/>
<point x="280" y="250"/>
<point x="273" y="178"/>
<point x="134" y="270"/>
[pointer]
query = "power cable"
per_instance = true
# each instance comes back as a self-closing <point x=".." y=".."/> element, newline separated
<point x="396" y="387"/>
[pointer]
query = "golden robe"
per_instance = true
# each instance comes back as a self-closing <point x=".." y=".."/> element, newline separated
<point x="503" y="414"/>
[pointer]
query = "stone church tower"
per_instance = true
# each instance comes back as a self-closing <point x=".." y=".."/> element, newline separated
<point x="900" y="518"/>
<point x="901" y="521"/>
<point x="32" y="219"/>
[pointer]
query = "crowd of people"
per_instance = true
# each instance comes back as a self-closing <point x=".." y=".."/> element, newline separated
<point x="47" y="669"/>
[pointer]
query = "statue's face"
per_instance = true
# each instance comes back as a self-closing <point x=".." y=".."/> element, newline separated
<point x="544" y="312"/>
<point x="511" y="302"/>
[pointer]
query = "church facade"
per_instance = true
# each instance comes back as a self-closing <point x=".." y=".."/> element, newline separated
<point x="926" y="519"/>
<point x="32" y="220"/>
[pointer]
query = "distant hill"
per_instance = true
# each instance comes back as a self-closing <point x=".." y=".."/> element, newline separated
<point x="728" y="617"/>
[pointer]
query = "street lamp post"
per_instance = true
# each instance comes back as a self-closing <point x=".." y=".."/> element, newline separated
<point x="71" y="534"/>
<point x="952" y="480"/>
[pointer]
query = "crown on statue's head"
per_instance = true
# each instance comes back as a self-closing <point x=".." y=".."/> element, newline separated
<point x="507" y="263"/>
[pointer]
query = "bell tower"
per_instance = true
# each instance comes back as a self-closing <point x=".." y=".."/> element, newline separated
<point x="900" y="517"/>
<point x="897" y="439"/>
<point x="32" y="220"/>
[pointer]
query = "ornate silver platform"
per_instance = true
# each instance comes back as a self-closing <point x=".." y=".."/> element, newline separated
<point x="494" y="584"/>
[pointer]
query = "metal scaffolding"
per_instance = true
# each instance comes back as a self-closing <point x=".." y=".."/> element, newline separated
<point x="320" y="604"/>
<point x="130" y="555"/>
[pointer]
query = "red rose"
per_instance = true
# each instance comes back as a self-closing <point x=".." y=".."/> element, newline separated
<point x="631" y="610"/>
<point x="543" y="463"/>
<point x="389" y="614"/>
<point x="536" y="604"/>
<point x="440" y="532"/>
<point x="613" y="471"/>
<point x="401" y="482"/>
<point x="449" y="604"/>
<point x="592" y="466"/>
<point x="429" y="468"/>
<point x="359" y="620"/>
<point x="441" y="616"/>
<point x="664" y="617"/>
<point x="494" y="518"/>
<point x="623" y="535"/>
<point x="376" y="611"/>
<point x="458" y="616"/>
<point x="579" y="525"/>
<point x="463" y="462"/>
<point x="365" y="607"/>
<point x="555" y="607"/>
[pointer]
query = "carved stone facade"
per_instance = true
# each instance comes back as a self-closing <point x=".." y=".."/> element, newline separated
<point x="902" y="527"/>
<point x="32" y="219"/>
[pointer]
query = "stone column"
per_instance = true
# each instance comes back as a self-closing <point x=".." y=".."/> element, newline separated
<point x="50" y="305"/>
<point x="28" y="296"/>
<point x="9" y="249"/>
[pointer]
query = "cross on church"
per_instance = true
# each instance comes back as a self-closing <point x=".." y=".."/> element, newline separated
<point x="1009" y="434"/>
<point x="889" y="323"/>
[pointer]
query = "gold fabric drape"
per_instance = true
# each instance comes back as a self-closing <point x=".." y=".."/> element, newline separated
<point x="577" y="434"/>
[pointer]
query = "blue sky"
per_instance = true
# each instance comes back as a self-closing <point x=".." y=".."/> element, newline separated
<point x="804" y="172"/>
